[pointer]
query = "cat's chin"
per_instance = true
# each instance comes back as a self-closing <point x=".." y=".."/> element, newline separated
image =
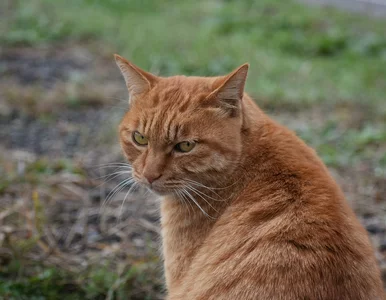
<point x="160" y="191"/>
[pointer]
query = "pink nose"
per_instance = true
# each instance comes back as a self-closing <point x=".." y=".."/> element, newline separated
<point x="152" y="178"/>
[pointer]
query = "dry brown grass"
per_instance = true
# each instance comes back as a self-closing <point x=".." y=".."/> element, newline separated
<point x="53" y="215"/>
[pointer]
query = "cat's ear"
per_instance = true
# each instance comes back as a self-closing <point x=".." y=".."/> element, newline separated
<point x="230" y="89"/>
<point x="137" y="80"/>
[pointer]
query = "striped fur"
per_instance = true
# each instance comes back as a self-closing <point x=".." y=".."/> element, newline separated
<point x="251" y="212"/>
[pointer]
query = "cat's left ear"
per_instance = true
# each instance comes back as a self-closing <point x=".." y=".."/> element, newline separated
<point x="137" y="80"/>
<point x="230" y="89"/>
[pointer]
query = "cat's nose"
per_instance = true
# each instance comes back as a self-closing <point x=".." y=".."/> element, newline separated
<point x="152" y="177"/>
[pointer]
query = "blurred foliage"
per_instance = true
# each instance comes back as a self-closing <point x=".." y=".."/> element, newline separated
<point x="341" y="147"/>
<point x="98" y="282"/>
<point x="46" y="284"/>
<point x="299" y="55"/>
<point x="36" y="172"/>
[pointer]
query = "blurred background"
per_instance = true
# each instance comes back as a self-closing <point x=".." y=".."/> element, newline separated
<point x="67" y="230"/>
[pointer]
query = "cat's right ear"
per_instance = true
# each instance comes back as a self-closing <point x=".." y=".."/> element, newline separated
<point x="230" y="90"/>
<point x="137" y="80"/>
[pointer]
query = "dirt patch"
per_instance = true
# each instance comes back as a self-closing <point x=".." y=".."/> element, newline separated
<point x="44" y="67"/>
<point x="48" y="79"/>
<point x="62" y="135"/>
<point x="72" y="215"/>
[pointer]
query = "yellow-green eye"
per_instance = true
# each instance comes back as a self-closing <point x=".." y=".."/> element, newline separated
<point x="140" y="139"/>
<point x="185" y="146"/>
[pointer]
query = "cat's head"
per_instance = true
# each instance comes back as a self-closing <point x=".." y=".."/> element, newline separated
<point x="181" y="130"/>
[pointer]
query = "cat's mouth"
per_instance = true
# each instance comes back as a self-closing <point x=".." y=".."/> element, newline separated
<point x="158" y="189"/>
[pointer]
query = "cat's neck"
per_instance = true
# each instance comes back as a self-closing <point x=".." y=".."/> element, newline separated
<point x="188" y="218"/>
<point x="184" y="228"/>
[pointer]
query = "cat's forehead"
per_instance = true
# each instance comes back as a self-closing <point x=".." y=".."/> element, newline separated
<point x="169" y="111"/>
<point x="188" y="83"/>
<point x="177" y="96"/>
<point x="164" y="127"/>
<point x="178" y="91"/>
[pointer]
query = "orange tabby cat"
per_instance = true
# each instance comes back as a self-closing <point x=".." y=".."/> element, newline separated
<point x="248" y="210"/>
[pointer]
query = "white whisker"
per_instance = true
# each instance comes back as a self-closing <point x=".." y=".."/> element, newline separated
<point x="114" y="165"/>
<point x="211" y="188"/>
<point x="117" y="189"/>
<point x="124" y="200"/>
<point x="109" y="175"/>
<point x="199" y="185"/>
<point x="194" y="190"/>
<point x="190" y="204"/>
<point x="186" y="201"/>
<point x="195" y="202"/>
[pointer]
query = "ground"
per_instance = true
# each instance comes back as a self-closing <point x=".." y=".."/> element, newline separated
<point x="319" y="71"/>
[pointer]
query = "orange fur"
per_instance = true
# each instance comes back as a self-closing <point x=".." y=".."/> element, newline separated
<point x="272" y="222"/>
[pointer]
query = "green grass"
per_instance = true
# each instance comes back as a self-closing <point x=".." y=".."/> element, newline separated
<point x="342" y="147"/>
<point x="44" y="284"/>
<point x="299" y="55"/>
<point x="23" y="275"/>
<point x="97" y="282"/>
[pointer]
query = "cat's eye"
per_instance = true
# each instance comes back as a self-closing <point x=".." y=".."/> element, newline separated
<point x="185" y="146"/>
<point x="139" y="139"/>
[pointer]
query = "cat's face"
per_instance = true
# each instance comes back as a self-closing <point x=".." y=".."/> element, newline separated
<point x="179" y="130"/>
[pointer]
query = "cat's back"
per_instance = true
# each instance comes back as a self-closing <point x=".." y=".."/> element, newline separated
<point x="288" y="235"/>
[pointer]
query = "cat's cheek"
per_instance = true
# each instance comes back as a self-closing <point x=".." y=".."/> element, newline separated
<point x="130" y="152"/>
<point x="218" y="162"/>
<point x="137" y="169"/>
<point x="184" y="166"/>
<point x="202" y="164"/>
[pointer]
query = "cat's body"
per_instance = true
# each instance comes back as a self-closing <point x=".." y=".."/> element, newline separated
<point x="270" y="222"/>
<point x="287" y="234"/>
